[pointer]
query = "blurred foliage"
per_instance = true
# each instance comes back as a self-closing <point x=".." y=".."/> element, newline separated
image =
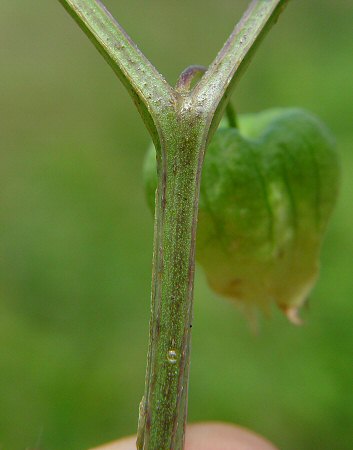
<point x="76" y="235"/>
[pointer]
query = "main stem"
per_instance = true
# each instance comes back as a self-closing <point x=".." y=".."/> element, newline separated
<point x="163" y="409"/>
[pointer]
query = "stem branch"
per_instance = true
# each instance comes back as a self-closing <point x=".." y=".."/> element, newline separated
<point x="188" y="76"/>
<point x="149" y="90"/>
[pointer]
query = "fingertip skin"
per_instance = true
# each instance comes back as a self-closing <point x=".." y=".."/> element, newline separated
<point x="222" y="436"/>
<point x="208" y="436"/>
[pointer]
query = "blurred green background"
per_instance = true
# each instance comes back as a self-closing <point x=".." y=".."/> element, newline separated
<point x="76" y="234"/>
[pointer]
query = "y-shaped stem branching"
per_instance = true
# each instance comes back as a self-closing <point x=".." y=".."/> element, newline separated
<point x="181" y="122"/>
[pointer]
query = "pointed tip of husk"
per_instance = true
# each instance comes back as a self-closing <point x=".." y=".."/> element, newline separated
<point x="292" y="315"/>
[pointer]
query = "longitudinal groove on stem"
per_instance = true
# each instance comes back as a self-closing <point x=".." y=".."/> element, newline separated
<point x="181" y="124"/>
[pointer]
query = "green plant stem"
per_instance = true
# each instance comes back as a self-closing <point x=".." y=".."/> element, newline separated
<point x="181" y="122"/>
<point x="189" y="75"/>
<point x="163" y="410"/>
<point x="148" y="89"/>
